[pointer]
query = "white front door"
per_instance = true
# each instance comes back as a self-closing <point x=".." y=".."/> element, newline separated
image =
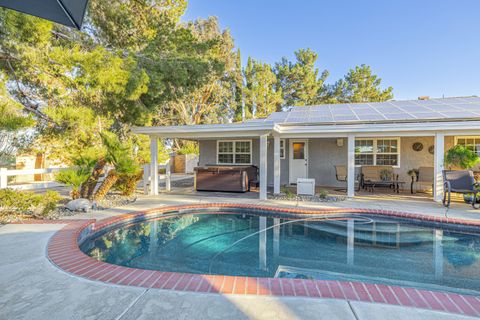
<point x="298" y="160"/>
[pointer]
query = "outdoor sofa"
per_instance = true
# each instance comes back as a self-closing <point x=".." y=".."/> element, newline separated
<point x="372" y="176"/>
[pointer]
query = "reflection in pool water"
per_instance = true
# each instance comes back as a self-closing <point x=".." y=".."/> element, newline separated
<point x="377" y="250"/>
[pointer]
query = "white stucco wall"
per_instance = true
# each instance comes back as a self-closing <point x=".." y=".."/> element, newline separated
<point x="324" y="154"/>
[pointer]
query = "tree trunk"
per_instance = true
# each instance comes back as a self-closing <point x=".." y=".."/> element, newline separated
<point x="89" y="186"/>
<point x="106" y="185"/>
<point x="131" y="184"/>
<point x="75" y="194"/>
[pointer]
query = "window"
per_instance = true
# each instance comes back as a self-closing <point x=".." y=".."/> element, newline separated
<point x="282" y="148"/>
<point x="472" y="143"/>
<point x="380" y="151"/>
<point x="298" y="150"/>
<point x="234" y="152"/>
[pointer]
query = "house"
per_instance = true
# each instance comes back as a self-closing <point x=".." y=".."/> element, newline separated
<point x="309" y="141"/>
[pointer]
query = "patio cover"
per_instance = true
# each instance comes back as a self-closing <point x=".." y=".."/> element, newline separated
<point x="67" y="12"/>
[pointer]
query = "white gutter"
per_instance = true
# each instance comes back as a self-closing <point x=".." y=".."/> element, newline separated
<point x="208" y="130"/>
<point x="426" y="128"/>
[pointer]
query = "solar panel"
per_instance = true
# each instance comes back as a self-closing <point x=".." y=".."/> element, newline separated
<point x="345" y="117"/>
<point x="371" y="117"/>
<point x="366" y="111"/>
<point x="399" y="116"/>
<point x="448" y="108"/>
<point x="387" y="110"/>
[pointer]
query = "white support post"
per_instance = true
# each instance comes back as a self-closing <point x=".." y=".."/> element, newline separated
<point x="146" y="178"/>
<point x="263" y="167"/>
<point x="351" y="166"/>
<point x="3" y="178"/>
<point x="152" y="249"/>
<point x="262" y="244"/>
<point x="153" y="165"/>
<point x="438" y="253"/>
<point x="168" y="170"/>
<point x="350" y="241"/>
<point x="438" y="166"/>
<point x="276" y="237"/>
<point x="276" y="165"/>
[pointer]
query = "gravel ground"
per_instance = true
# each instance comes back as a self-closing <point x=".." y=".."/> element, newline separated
<point x="315" y="198"/>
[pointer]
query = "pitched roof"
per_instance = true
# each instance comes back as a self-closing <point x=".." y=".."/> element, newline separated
<point x="465" y="108"/>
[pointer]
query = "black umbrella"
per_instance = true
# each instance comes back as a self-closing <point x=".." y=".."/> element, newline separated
<point x="66" y="12"/>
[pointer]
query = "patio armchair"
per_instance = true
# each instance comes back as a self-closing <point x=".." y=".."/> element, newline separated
<point x="459" y="181"/>
<point x="425" y="177"/>
<point x="341" y="176"/>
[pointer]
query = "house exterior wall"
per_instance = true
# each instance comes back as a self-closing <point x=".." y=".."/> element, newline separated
<point x="324" y="154"/>
<point x="411" y="159"/>
<point x="208" y="151"/>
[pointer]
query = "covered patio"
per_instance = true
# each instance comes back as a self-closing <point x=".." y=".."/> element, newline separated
<point x="308" y="142"/>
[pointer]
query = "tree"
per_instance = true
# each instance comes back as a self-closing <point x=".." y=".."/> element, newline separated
<point x="13" y="123"/>
<point x="212" y="101"/>
<point x="262" y="94"/>
<point x="300" y="81"/>
<point x="238" y="89"/>
<point x="359" y="85"/>
<point x="135" y="60"/>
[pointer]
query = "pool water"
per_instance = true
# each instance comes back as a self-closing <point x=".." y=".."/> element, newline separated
<point x="362" y="248"/>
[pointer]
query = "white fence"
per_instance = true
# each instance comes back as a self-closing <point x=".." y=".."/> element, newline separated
<point x="147" y="177"/>
<point x="5" y="173"/>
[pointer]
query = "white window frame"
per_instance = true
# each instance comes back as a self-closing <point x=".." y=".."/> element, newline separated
<point x="467" y="137"/>
<point x="282" y="148"/>
<point x="375" y="153"/>
<point x="234" y="153"/>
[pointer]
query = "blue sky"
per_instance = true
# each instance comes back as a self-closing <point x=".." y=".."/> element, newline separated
<point x="420" y="47"/>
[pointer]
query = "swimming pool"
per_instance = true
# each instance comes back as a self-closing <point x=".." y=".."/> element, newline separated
<point x="360" y="247"/>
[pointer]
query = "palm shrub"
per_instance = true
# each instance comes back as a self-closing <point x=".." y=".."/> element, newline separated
<point x="461" y="157"/>
<point x="94" y="159"/>
<point x="127" y="183"/>
<point x="118" y="155"/>
<point x="74" y="177"/>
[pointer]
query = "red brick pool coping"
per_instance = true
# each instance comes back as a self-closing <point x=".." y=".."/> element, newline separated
<point x="63" y="251"/>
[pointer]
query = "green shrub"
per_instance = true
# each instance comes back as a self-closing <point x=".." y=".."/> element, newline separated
<point x="322" y="194"/>
<point x="16" y="203"/>
<point x="461" y="157"/>
<point x="48" y="203"/>
<point x="188" y="147"/>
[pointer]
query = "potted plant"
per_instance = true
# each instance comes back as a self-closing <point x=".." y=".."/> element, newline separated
<point x="385" y="174"/>
<point x="413" y="173"/>
<point x="463" y="158"/>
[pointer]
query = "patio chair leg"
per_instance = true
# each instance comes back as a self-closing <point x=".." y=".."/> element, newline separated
<point x="475" y="205"/>
<point x="444" y="201"/>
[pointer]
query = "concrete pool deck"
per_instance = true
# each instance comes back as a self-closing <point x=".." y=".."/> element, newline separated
<point x="33" y="288"/>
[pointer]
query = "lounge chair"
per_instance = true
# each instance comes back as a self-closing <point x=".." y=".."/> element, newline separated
<point x="425" y="178"/>
<point x="460" y="181"/>
<point x="341" y="176"/>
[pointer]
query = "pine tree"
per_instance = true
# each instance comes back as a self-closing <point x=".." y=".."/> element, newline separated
<point x="301" y="82"/>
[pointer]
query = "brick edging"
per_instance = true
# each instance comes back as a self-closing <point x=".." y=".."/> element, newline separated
<point x="64" y="252"/>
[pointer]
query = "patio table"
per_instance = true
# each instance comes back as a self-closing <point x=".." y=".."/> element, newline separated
<point x="371" y="184"/>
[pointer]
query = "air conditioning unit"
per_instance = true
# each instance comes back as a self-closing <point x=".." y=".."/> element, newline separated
<point x="305" y="186"/>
